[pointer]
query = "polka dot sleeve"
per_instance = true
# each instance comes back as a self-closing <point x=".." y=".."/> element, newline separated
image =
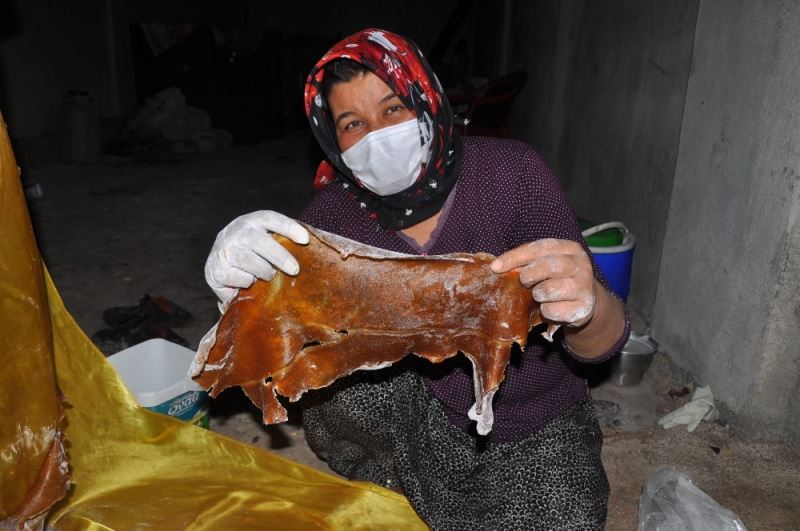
<point x="542" y="210"/>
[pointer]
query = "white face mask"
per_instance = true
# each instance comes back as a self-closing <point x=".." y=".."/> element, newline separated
<point x="389" y="160"/>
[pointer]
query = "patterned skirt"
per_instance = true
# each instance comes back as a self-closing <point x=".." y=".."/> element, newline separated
<point x="385" y="427"/>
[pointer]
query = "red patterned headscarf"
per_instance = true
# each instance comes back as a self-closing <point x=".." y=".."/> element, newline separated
<point x="399" y="63"/>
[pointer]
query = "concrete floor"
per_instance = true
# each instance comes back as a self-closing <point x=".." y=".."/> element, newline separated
<point x="114" y="231"/>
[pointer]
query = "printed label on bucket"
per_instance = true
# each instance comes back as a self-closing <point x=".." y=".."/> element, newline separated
<point x="191" y="406"/>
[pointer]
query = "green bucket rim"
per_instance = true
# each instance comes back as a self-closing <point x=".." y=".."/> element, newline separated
<point x="610" y="237"/>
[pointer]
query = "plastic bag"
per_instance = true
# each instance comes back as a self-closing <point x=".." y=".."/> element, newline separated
<point x="671" y="502"/>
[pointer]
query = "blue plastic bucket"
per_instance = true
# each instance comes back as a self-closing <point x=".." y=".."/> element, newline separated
<point x="614" y="261"/>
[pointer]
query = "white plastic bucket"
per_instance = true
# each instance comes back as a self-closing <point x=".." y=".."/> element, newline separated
<point x="155" y="371"/>
<point x="614" y="261"/>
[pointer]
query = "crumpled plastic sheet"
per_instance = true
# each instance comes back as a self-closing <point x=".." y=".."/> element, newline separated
<point x="671" y="502"/>
<point x="132" y="468"/>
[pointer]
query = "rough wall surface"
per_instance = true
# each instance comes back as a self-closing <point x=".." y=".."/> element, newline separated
<point x="777" y="385"/>
<point x="727" y="302"/>
<point x="604" y="105"/>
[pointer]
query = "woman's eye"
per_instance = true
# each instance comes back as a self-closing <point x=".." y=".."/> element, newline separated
<point x="394" y="108"/>
<point x="352" y="125"/>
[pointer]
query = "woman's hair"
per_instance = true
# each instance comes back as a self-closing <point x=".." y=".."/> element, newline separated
<point x="340" y="71"/>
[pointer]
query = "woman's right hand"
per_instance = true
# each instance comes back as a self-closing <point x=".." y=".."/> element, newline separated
<point x="245" y="250"/>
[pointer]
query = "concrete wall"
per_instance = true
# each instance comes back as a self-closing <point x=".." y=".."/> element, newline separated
<point x="682" y="119"/>
<point x="604" y="105"/>
<point x="728" y="302"/>
<point x="58" y="46"/>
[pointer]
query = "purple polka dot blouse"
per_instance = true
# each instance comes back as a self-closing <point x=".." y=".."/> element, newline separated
<point x="505" y="196"/>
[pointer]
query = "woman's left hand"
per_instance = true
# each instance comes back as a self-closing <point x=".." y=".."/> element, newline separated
<point x="561" y="276"/>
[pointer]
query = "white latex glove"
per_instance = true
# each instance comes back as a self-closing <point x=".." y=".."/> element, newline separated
<point x="701" y="407"/>
<point x="245" y="250"/>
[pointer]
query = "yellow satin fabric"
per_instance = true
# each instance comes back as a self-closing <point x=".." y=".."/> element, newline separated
<point x="137" y="469"/>
<point x="29" y="414"/>
<point x="134" y="469"/>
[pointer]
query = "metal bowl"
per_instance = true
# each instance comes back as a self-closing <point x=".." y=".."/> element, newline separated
<point x="629" y="366"/>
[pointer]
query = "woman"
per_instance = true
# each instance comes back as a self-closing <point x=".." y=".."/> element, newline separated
<point x="398" y="178"/>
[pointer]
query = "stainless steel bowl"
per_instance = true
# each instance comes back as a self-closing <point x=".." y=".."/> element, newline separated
<point x="629" y="366"/>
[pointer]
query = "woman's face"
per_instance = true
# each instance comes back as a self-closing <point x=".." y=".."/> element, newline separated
<point x="362" y="105"/>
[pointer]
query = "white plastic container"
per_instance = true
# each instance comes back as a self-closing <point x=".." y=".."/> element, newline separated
<point x="155" y="371"/>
